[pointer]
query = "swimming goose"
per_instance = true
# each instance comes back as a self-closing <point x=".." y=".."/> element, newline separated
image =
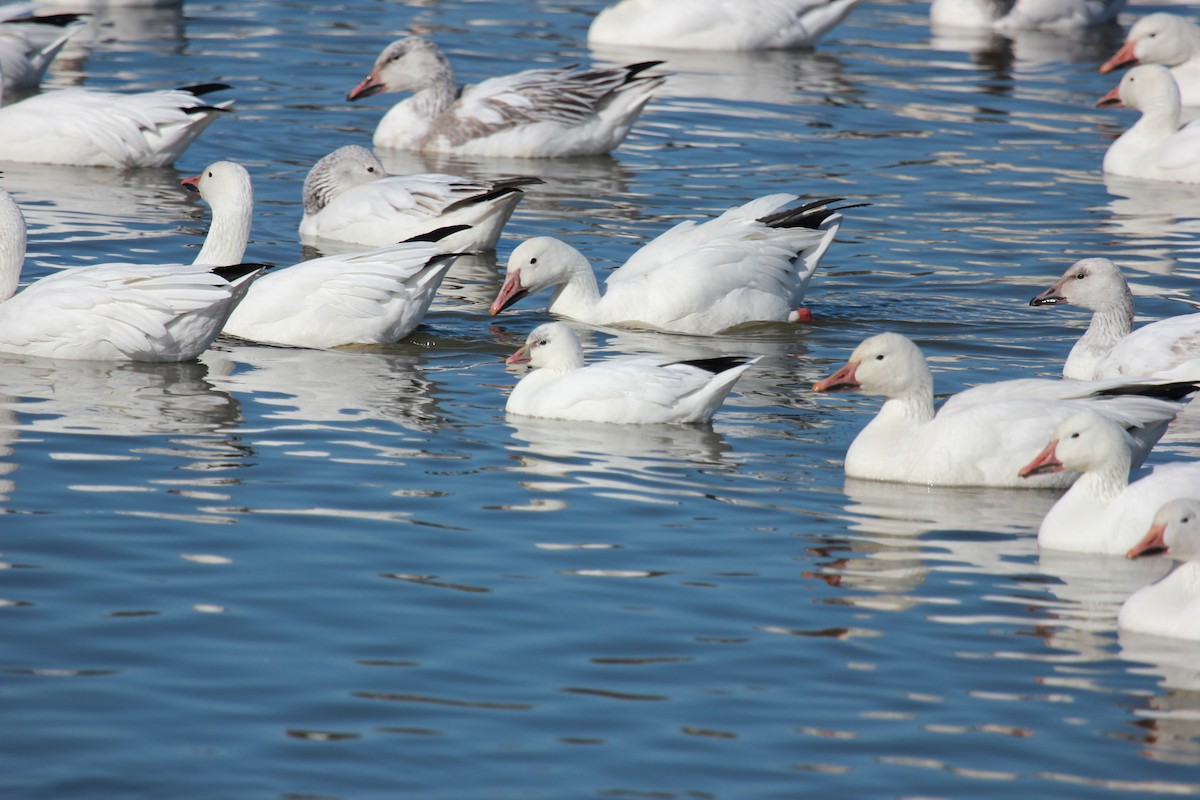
<point x="1007" y="15"/>
<point x="1155" y="147"/>
<point x="753" y="263"/>
<point x="717" y="24"/>
<point x="537" y="113"/>
<point x="90" y="128"/>
<point x="1167" y="39"/>
<point x="111" y="312"/>
<point x="1110" y="348"/>
<point x="630" y="391"/>
<point x="1103" y="512"/>
<point x="23" y="59"/>
<point x="373" y="297"/>
<point x="979" y="437"/>
<point x="349" y="197"/>
<point x="1170" y="607"/>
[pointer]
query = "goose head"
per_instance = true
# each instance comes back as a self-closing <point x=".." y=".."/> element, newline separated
<point x="887" y="364"/>
<point x="222" y="183"/>
<point x="1154" y="39"/>
<point x="406" y="65"/>
<point x="1081" y="443"/>
<point x="552" y="346"/>
<point x="1092" y="283"/>
<point x="1175" y="531"/>
<point x="1147" y="88"/>
<point x="537" y="264"/>
<point x="226" y="187"/>
<point x="341" y="170"/>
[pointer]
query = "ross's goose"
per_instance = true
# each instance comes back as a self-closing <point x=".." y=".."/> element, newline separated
<point x="717" y="24"/>
<point x="1170" y="607"/>
<point x="111" y="312"/>
<point x="1167" y="39"/>
<point x="1155" y="147"/>
<point x="536" y="113"/>
<point x="374" y="297"/>
<point x="23" y="59"/>
<point x="90" y="128"/>
<point x="349" y="197"/>
<point x="1110" y="348"/>
<point x="1103" y="512"/>
<point x="979" y="437"/>
<point x="1007" y="15"/>
<point x="751" y="264"/>
<point x="630" y="391"/>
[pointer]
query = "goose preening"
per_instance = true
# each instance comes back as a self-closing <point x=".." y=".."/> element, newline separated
<point x="717" y="24"/>
<point x="1167" y="39"/>
<point x="630" y="391"/>
<point x="536" y="113"/>
<point x="112" y="312"/>
<point x="1019" y="15"/>
<point x="1155" y="147"/>
<point x="373" y="297"/>
<point x="751" y="264"/>
<point x="349" y="197"/>
<point x="92" y="128"/>
<point x="1171" y="606"/>
<point x="1103" y="512"/>
<point x="1110" y="347"/>
<point x="983" y="435"/>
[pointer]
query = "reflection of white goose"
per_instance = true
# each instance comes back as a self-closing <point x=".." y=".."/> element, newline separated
<point x="1171" y="606"/>
<point x="1021" y="15"/>
<point x="717" y="24"/>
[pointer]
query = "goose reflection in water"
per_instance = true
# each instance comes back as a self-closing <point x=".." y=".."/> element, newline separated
<point x="1168" y="721"/>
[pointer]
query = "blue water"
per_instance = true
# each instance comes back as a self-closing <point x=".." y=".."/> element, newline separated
<point x="291" y="574"/>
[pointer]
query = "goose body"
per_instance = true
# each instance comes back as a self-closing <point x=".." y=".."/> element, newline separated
<point x="1103" y="512"/>
<point x="536" y="113"/>
<point x="751" y="264"/>
<point x="1171" y="606"/>
<point x="717" y="24"/>
<point x="979" y="437"/>
<point x="349" y="197"/>
<point x="111" y="312"/>
<point x="374" y="297"/>
<point x="1155" y="147"/>
<point x="1111" y="348"/>
<point x="1167" y="39"/>
<point x="628" y="391"/>
<point x="24" y="59"/>
<point x="89" y="128"/>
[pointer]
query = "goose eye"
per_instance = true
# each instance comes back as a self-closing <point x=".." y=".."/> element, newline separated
<point x="1075" y="435"/>
<point x="370" y="169"/>
<point x="879" y="357"/>
<point x="1081" y="276"/>
<point x="533" y="260"/>
<point x="210" y="174"/>
<point x="543" y="342"/>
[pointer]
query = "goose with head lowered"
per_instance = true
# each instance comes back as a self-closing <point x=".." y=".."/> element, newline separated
<point x="1155" y="147"/>
<point x="112" y="312"/>
<point x="374" y="297"/>
<point x="1171" y="606"/>
<point x="982" y="435"/>
<point x="1110" y="347"/>
<point x="628" y="391"/>
<point x="537" y="113"/>
<point x="751" y="264"/>
<point x="349" y="197"/>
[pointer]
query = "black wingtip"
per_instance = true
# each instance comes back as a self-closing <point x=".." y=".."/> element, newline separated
<point x="437" y="234"/>
<point x="205" y="88"/>
<point x="1173" y="390"/>
<point x="715" y="365"/>
<point x="808" y="215"/>
<point x="233" y="272"/>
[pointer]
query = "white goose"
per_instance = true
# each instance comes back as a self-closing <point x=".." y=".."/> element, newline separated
<point x="349" y="197"/>
<point x="753" y="263"/>
<point x="23" y="59"/>
<point x="1155" y="147"/>
<point x="1007" y="15"/>
<point x="537" y="113"/>
<point x="374" y="297"/>
<point x="630" y="391"/>
<point x="1167" y="39"/>
<point x="979" y="437"/>
<point x="89" y="128"/>
<point x="1170" y="607"/>
<point x="111" y="312"/>
<point x="1103" y="512"/>
<point x="1110" y="348"/>
<point x="717" y="24"/>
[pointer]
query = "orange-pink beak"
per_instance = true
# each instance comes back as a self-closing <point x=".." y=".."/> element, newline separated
<point x="843" y="379"/>
<point x="1152" y="543"/>
<point x="519" y="357"/>
<point x="1045" y="462"/>
<point x="1122" y="58"/>
<point x="510" y="292"/>
<point x="192" y="184"/>
<point x="367" y="86"/>
<point x="1112" y="99"/>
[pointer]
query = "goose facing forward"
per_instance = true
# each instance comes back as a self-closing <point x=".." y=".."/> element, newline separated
<point x="349" y="197"/>
<point x="979" y="437"/>
<point x="536" y="113"/>
<point x="1110" y="347"/>
<point x="112" y="312"/>
<point x="751" y="264"/>
<point x="629" y="391"/>
<point x="1155" y="147"/>
<point x="717" y="24"/>
<point x="1170" y="607"/>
